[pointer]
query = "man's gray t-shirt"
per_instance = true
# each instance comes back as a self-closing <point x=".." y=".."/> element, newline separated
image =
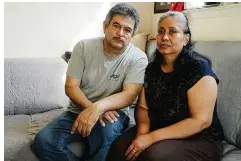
<point x="100" y="75"/>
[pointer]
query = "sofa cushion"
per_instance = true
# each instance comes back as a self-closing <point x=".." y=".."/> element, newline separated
<point x="39" y="120"/>
<point x="150" y="49"/>
<point x="19" y="133"/>
<point x="139" y="41"/>
<point x="33" y="85"/>
<point x="16" y="141"/>
<point x="234" y="155"/>
<point x="230" y="152"/>
<point x="226" y="59"/>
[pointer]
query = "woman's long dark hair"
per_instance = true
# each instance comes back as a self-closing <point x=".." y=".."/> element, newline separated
<point x="187" y="54"/>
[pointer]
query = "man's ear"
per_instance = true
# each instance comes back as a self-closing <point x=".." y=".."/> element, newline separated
<point x="186" y="39"/>
<point x="104" y="26"/>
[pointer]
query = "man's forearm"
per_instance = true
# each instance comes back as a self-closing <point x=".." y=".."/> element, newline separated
<point x="117" y="101"/>
<point x="78" y="97"/>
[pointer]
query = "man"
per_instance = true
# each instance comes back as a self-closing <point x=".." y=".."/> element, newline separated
<point x="104" y="76"/>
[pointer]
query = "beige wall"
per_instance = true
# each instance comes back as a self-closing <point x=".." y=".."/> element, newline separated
<point x="36" y="29"/>
<point x="145" y="11"/>
<point x="48" y="29"/>
<point x="218" y="23"/>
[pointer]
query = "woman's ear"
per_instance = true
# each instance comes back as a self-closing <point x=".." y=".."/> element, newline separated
<point x="186" y="39"/>
<point x="104" y="26"/>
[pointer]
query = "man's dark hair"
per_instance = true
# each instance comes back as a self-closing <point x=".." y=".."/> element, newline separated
<point x="124" y="10"/>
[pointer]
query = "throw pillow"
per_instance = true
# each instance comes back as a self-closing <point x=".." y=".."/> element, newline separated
<point x="139" y="41"/>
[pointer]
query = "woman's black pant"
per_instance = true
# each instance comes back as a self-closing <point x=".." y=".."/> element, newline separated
<point x="195" y="148"/>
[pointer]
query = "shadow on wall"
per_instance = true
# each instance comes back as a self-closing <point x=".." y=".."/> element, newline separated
<point x="94" y="28"/>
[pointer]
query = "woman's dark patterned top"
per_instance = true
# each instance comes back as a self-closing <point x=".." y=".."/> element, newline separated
<point x="166" y="95"/>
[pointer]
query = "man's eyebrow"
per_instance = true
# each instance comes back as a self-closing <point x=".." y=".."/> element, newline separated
<point x="126" y="27"/>
<point x="116" y="23"/>
<point x="129" y="28"/>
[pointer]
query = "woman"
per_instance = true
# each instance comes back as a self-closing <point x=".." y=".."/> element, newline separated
<point x="176" y="117"/>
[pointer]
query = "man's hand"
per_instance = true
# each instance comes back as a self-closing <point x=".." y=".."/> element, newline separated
<point x="138" y="145"/>
<point x="86" y="120"/>
<point x="111" y="116"/>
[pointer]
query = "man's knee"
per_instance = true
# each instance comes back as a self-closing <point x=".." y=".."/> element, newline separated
<point x="111" y="130"/>
<point x="116" y="128"/>
<point x="38" y="144"/>
<point x="44" y="140"/>
<point x="39" y="140"/>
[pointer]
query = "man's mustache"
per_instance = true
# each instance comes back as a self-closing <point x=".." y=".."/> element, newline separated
<point x="119" y="39"/>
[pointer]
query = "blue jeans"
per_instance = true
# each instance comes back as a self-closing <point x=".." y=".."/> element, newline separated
<point x="50" y="143"/>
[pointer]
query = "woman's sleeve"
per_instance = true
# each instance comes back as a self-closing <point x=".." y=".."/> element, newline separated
<point x="199" y="70"/>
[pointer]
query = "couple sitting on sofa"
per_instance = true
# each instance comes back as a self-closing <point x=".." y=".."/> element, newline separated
<point x="176" y="117"/>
